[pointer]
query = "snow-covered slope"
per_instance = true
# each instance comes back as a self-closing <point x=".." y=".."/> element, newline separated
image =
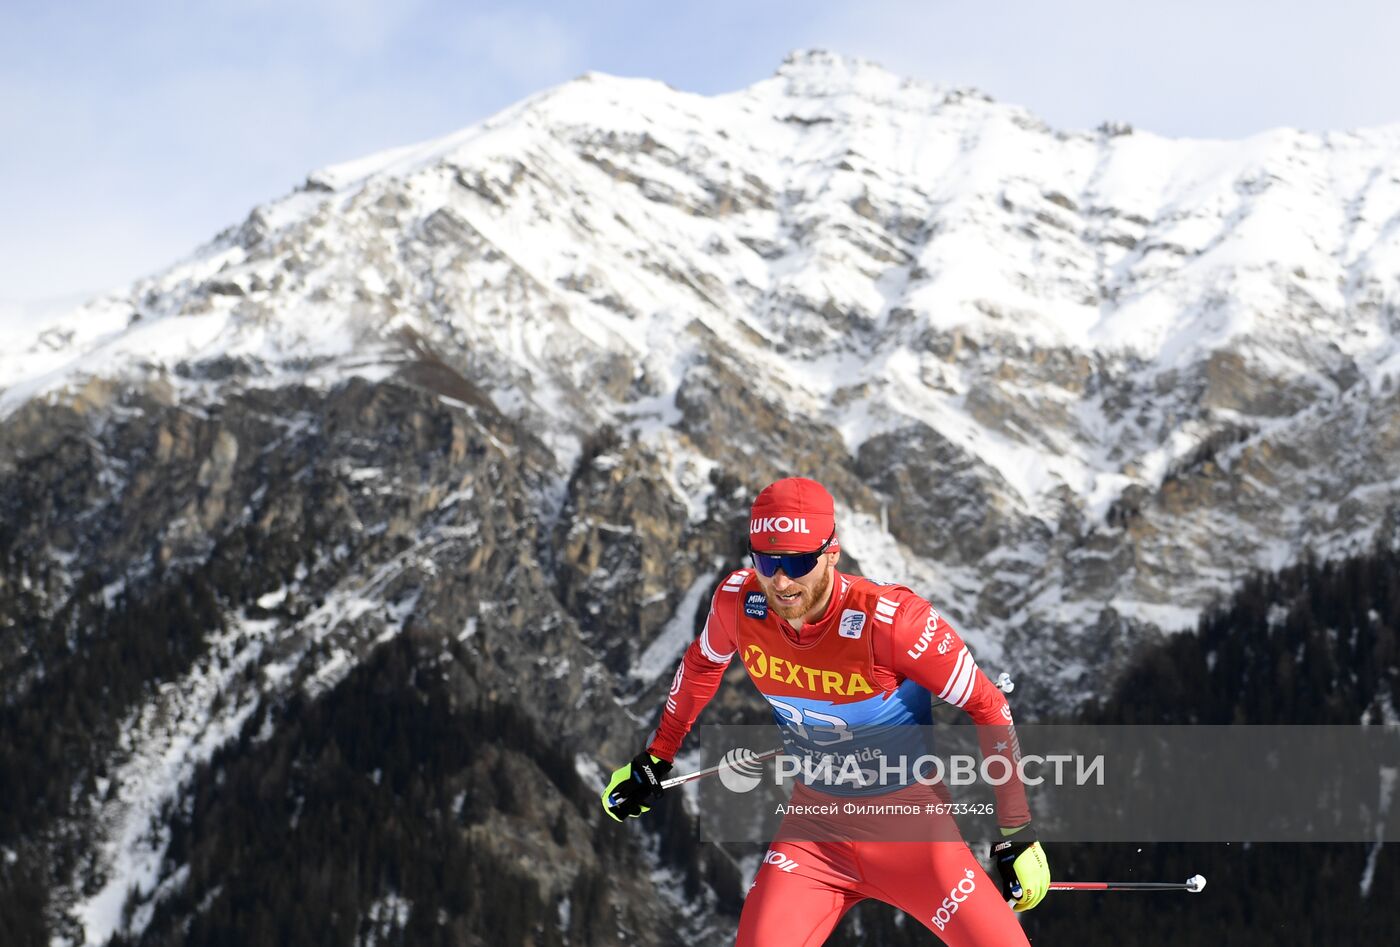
<point x="1073" y="316"/>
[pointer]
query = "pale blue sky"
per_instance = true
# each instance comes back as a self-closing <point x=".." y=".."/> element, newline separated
<point x="131" y="132"/>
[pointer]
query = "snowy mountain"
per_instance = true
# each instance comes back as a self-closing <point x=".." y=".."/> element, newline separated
<point x="511" y="391"/>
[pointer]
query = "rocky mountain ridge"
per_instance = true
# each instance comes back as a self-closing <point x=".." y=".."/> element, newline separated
<point x="514" y="388"/>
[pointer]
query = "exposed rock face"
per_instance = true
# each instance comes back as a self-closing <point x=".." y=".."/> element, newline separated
<point x="940" y="506"/>
<point x="625" y="550"/>
<point x="326" y="522"/>
<point x="508" y="396"/>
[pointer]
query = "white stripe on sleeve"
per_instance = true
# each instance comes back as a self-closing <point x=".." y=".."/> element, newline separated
<point x="966" y="683"/>
<point x="952" y="678"/>
<point x="708" y="650"/>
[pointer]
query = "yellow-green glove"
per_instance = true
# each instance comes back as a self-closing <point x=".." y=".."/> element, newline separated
<point x="635" y="787"/>
<point x="1025" y="872"/>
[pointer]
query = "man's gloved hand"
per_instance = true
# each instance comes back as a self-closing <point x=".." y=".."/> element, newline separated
<point x="1025" y="872"/>
<point x="634" y="788"/>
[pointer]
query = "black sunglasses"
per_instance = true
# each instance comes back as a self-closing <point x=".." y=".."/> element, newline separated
<point x="794" y="564"/>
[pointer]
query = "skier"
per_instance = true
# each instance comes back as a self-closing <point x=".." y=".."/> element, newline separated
<point x="831" y="650"/>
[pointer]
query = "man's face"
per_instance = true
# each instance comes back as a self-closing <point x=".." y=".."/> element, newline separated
<point x="794" y="598"/>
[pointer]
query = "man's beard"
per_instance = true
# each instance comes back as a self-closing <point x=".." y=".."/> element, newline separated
<point x="805" y="601"/>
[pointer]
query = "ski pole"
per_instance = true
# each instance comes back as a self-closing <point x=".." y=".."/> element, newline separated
<point x="1195" y="884"/>
<point x="735" y="759"/>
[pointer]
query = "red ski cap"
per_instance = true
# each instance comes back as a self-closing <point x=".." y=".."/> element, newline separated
<point x="792" y="515"/>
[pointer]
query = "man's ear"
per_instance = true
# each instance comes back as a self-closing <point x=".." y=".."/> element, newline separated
<point x="833" y="556"/>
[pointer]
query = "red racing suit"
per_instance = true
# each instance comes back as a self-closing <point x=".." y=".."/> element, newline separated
<point x="872" y="660"/>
